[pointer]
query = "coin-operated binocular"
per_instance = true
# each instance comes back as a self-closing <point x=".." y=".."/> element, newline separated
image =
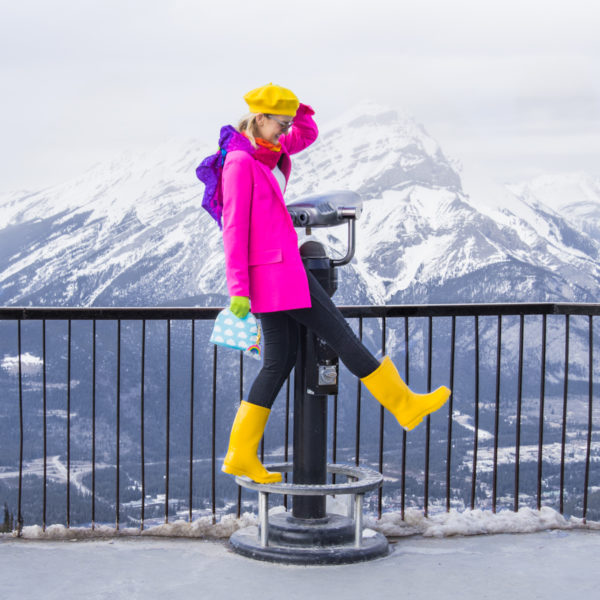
<point x="309" y="535"/>
<point x="328" y="210"/>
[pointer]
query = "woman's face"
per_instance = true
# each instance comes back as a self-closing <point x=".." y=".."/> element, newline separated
<point x="272" y="127"/>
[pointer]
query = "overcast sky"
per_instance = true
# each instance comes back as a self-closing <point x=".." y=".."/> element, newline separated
<point x="510" y="88"/>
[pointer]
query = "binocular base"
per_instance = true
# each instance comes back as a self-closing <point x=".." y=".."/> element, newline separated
<point x="330" y="543"/>
<point x="331" y="540"/>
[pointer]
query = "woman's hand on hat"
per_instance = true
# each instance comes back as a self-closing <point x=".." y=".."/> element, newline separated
<point x="239" y="306"/>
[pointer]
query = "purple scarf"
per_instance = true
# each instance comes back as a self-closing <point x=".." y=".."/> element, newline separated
<point x="210" y="169"/>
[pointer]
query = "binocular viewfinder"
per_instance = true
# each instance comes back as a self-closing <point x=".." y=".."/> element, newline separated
<point x="325" y="210"/>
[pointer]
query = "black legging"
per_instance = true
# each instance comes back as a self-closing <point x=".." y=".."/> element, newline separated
<point x="280" y="332"/>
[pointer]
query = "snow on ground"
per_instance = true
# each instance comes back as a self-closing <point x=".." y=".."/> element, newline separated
<point x="476" y="522"/>
<point x="443" y="524"/>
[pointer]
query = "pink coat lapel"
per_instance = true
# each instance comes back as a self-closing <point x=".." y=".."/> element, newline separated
<point x="271" y="178"/>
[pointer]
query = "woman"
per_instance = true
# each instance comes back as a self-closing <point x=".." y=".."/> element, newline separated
<point x="265" y="272"/>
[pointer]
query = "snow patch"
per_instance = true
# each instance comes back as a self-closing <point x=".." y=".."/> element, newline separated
<point x="30" y="364"/>
<point x="466" y="422"/>
<point x="474" y="522"/>
<point x="204" y="528"/>
<point x="446" y="524"/>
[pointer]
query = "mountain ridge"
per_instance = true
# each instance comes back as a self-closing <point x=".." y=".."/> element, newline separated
<point x="132" y="231"/>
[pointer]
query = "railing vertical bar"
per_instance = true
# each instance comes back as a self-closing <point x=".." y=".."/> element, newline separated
<point x="142" y="424"/>
<point x="168" y="422"/>
<point x="262" y="440"/>
<point x="381" y="424"/>
<point x="428" y="428"/>
<point x="590" y="416"/>
<point x="213" y="436"/>
<point x="21" y="433"/>
<point x="240" y="398"/>
<point x="519" y="410"/>
<point x="69" y="425"/>
<point x="475" y="417"/>
<point x="450" y="412"/>
<point x="407" y="380"/>
<point x="287" y="434"/>
<point x="564" y="417"/>
<point x="118" y="482"/>
<point x="192" y="360"/>
<point x="358" y="403"/>
<point x="45" y="408"/>
<point x="93" y="424"/>
<point x="541" y="419"/>
<point x="497" y="415"/>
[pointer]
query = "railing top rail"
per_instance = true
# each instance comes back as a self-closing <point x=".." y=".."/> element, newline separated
<point x="474" y="309"/>
<point x="366" y="311"/>
<point x="108" y="313"/>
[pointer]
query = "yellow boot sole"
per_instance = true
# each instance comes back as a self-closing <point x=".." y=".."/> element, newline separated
<point x="270" y="476"/>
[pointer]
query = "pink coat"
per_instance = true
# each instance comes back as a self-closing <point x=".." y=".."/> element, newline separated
<point x="261" y="245"/>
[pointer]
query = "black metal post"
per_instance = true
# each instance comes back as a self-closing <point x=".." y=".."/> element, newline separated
<point x="310" y="397"/>
<point x="310" y="434"/>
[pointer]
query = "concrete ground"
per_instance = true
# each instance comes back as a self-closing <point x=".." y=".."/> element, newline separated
<point x="550" y="564"/>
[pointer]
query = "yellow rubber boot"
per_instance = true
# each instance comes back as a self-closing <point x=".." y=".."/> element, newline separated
<point x="246" y="433"/>
<point x="409" y="408"/>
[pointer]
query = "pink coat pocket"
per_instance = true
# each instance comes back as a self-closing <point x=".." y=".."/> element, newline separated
<point x="265" y="257"/>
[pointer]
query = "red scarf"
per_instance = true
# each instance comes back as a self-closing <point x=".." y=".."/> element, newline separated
<point x="268" y="153"/>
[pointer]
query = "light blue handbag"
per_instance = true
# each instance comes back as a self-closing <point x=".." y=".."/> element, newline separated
<point x="240" y="334"/>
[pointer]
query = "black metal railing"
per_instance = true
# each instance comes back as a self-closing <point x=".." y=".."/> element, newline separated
<point x="518" y="429"/>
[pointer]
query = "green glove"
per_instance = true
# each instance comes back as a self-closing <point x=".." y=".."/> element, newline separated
<point x="239" y="306"/>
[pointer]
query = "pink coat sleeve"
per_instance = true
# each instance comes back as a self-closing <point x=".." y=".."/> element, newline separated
<point x="304" y="131"/>
<point x="237" y="200"/>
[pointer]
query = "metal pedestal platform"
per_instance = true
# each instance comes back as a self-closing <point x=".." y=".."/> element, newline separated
<point x="334" y="539"/>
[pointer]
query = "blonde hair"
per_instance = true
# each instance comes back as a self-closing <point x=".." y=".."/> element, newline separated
<point x="248" y="126"/>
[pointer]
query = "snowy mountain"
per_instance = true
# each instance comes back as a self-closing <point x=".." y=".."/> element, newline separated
<point x="127" y="233"/>
<point x="574" y="197"/>
<point x="422" y="238"/>
<point x="133" y="233"/>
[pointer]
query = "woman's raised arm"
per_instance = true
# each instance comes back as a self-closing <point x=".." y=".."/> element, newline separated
<point x="304" y="131"/>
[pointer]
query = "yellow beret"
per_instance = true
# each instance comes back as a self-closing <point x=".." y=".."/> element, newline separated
<point x="272" y="99"/>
